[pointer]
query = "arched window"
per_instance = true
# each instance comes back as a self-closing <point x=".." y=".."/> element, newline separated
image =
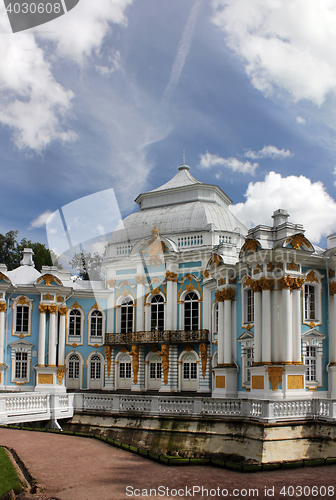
<point x="157" y="313"/>
<point x="126" y="316"/>
<point x="73" y="367"/>
<point x="191" y="311"/>
<point x="310" y="302"/>
<point x="96" y="324"/>
<point x="95" y="367"/>
<point x="75" y="323"/>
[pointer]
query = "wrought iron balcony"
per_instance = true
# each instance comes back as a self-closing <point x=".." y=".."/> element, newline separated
<point x="158" y="337"/>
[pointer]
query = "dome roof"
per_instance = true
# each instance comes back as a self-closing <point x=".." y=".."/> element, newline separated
<point x="23" y="275"/>
<point x="177" y="219"/>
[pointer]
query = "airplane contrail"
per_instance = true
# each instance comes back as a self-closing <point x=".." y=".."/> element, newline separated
<point x="182" y="51"/>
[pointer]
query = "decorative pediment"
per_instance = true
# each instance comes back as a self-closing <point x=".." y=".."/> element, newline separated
<point x="250" y="246"/>
<point x="215" y="260"/>
<point x="299" y="242"/>
<point x="312" y="334"/>
<point x="48" y="279"/>
<point x="4" y="278"/>
<point x="17" y="344"/>
<point x="248" y="335"/>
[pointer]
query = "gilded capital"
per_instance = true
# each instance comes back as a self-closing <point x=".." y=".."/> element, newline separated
<point x="332" y="288"/>
<point x="52" y="308"/>
<point x="62" y="310"/>
<point x="43" y="308"/>
<point x="205" y="274"/>
<point x="265" y="284"/>
<point x="285" y="282"/>
<point x="297" y="283"/>
<point x="218" y="296"/>
<point x="171" y="276"/>
<point x="293" y="267"/>
<point x="3" y="306"/>
<point x="140" y="279"/>
<point x="228" y="293"/>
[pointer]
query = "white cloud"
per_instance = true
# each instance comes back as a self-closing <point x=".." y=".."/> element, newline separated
<point x="32" y="102"/>
<point x="209" y="160"/>
<point x="41" y="219"/>
<point x="268" y="152"/>
<point x="182" y="50"/>
<point x="283" y="44"/>
<point x="300" y="120"/>
<point x="307" y="202"/>
<point x="334" y="175"/>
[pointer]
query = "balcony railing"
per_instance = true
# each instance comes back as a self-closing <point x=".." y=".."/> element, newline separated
<point x="158" y="337"/>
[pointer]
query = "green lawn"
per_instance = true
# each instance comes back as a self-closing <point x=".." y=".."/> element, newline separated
<point x="9" y="479"/>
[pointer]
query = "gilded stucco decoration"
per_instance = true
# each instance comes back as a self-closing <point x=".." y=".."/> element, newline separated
<point x="232" y="281"/>
<point x="125" y="293"/>
<point x="297" y="283"/>
<point x="216" y="260"/>
<point x="171" y="276"/>
<point x="222" y="281"/>
<point x="204" y="357"/>
<point x="190" y="287"/>
<point x="293" y="267"/>
<point x="270" y="267"/>
<point x="258" y="269"/>
<point x="286" y="282"/>
<point x="60" y="299"/>
<point x="60" y="374"/>
<point x="312" y="325"/>
<point x="75" y="305"/>
<point x="48" y="297"/>
<point x="62" y="310"/>
<point x="22" y="301"/>
<point x="52" y="309"/>
<point x="111" y="283"/>
<point x="311" y="277"/>
<point x="3" y="306"/>
<point x="331" y="273"/>
<point x="332" y="287"/>
<point x="48" y="279"/>
<point x="248" y="327"/>
<point x="225" y="294"/>
<point x="275" y="376"/>
<point x="164" y="353"/>
<point x="140" y="279"/>
<point x="205" y="274"/>
<point x="43" y="308"/>
<point x="266" y="284"/>
<point x="298" y="241"/>
<point x="4" y="278"/>
<point x="155" y="249"/>
<point x="250" y="246"/>
<point x="135" y="362"/>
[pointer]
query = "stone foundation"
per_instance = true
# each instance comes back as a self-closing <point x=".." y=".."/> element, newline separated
<point x="260" y="441"/>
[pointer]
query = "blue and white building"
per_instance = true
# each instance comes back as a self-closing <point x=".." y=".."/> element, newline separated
<point x="192" y="303"/>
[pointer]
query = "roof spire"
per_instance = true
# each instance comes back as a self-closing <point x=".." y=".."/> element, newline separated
<point x="184" y="166"/>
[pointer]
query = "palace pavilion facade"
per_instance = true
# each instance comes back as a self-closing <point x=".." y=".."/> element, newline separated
<point x="192" y="303"/>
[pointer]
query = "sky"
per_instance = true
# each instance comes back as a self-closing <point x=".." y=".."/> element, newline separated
<point x="108" y="95"/>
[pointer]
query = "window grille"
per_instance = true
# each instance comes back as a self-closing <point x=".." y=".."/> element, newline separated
<point x="21" y="365"/>
<point x="310" y="302"/>
<point x="157" y="313"/>
<point x="95" y="367"/>
<point x="75" y="320"/>
<point x="310" y="362"/>
<point x="74" y="367"/>
<point x="96" y="328"/>
<point x="191" y="312"/>
<point x="126" y="316"/>
<point x="249" y="305"/>
<point x="22" y="318"/>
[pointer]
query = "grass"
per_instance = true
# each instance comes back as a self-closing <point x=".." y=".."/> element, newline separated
<point x="9" y="480"/>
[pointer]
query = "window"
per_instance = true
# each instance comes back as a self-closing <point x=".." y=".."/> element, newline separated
<point x="191" y="311"/>
<point x="125" y="370"/>
<point x="74" y="367"/>
<point x="21" y="365"/>
<point x="75" y="322"/>
<point x="96" y="324"/>
<point x="189" y="370"/>
<point x="22" y="319"/>
<point x="249" y="306"/>
<point x="155" y="370"/>
<point x="310" y="302"/>
<point x="215" y="317"/>
<point x="95" y="367"/>
<point x="249" y="357"/>
<point x="157" y="313"/>
<point x="246" y="340"/>
<point x="310" y="362"/>
<point x="126" y="316"/>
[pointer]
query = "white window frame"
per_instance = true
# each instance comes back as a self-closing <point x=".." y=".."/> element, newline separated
<point x="244" y="297"/>
<point x="313" y="338"/>
<point x="247" y="344"/>
<point x="21" y="347"/>
<point x="102" y="368"/>
<point x="317" y="296"/>
<point x="75" y="339"/>
<point x="129" y="305"/>
<point x="198" y="309"/>
<point x="23" y="301"/>
<point x="164" y="310"/>
<point x="96" y="339"/>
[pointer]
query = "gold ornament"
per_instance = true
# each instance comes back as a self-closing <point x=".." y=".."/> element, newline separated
<point x="108" y="354"/>
<point x="265" y="284"/>
<point x="293" y="267"/>
<point x="62" y="310"/>
<point x="140" y="279"/>
<point x="111" y="283"/>
<point x="286" y="282"/>
<point x="204" y="357"/>
<point x="52" y="309"/>
<point x="164" y="353"/>
<point x="297" y="241"/>
<point x="170" y="276"/>
<point x="135" y="363"/>
<point x="275" y="376"/>
<point x="3" y="306"/>
<point x="332" y="288"/>
<point x="60" y="374"/>
<point x="311" y="276"/>
<point x="43" y="308"/>
<point x="205" y="274"/>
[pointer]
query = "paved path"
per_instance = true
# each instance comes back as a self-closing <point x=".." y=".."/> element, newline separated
<point x="75" y="468"/>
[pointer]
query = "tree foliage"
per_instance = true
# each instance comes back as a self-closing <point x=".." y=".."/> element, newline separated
<point x="87" y="265"/>
<point x="11" y="252"/>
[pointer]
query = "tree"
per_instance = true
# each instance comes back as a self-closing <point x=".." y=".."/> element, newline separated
<point x="11" y="252"/>
<point x="87" y="265"/>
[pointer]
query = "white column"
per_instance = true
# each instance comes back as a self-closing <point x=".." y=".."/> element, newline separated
<point x="332" y="330"/>
<point x="276" y="327"/>
<point x="61" y="341"/>
<point x="42" y="335"/>
<point x="117" y="319"/>
<point x="266" y="326"/>
<point x="220" y="333"/>
<point x="147" y="317"/>
<point x="2" y="331"/>
<point x="169" y="306"/>
<point x="52" y="335"/>
<point x="257" y="327"/>
<point x="140" y="313"/>
<point x="227" y="333"/>
<point x="296" y="325"/>
<point x="287" y="340"/>
<point x="206" y="309"/>
<point x="110" y="312"/>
